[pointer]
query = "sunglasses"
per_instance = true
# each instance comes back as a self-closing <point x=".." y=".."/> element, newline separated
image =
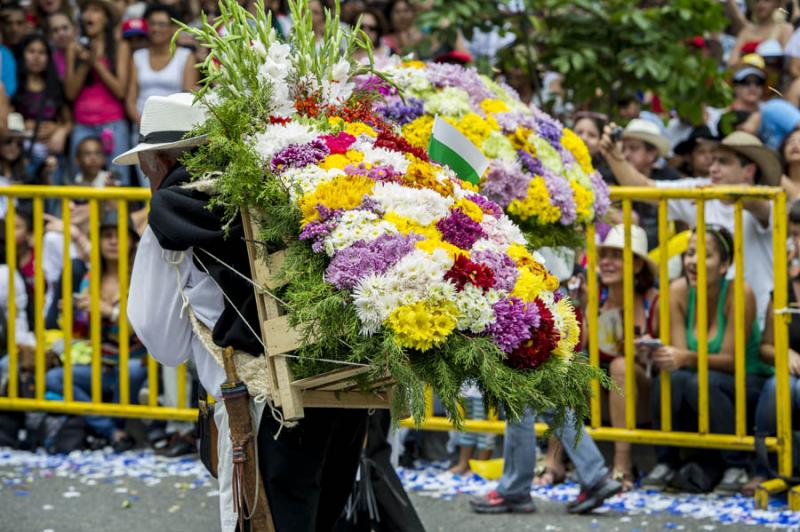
<point x="753" y="82"/>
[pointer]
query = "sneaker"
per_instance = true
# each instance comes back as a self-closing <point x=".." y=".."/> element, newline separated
<point x="659" y="478"/>
<point x="733" y="479"/>
<point x="494" y="503"/>
<point x="594" y="497"/>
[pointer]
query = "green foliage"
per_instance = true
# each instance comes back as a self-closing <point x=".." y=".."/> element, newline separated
<point x="609" y="48"/>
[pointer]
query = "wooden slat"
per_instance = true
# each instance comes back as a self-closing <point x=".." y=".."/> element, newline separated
<point x="350" y="385"/>
<point x="318" y="399"/>
<point x="336" y="376"/>
<point x="250" y="231"/>
<point x="281" y="337"/>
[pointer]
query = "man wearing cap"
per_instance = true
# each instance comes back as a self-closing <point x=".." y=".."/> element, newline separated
<point x="185" y="302"/>
<point x="642" y="146"/>
<point x="740" y="159"/>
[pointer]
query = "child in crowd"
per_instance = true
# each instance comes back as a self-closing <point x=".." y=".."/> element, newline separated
<point x="472" y="401"/>
<point x="680" y="358"/>
<point x="91" y="162"/>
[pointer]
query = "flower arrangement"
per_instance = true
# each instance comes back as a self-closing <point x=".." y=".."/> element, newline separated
<point x="540" y="172"/>
<point x="391" y="260"/>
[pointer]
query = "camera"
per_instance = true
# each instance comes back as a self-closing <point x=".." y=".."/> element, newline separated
<point x="84" y="41"/>
<point x="616" y="134"/>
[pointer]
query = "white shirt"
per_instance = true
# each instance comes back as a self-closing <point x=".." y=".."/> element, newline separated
<point x="22" y="329"/>
<point x="155" y="304"/>
<point x="792" y="48"/>
<point x="758" y="261"/>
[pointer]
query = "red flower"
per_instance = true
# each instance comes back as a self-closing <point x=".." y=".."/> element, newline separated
<point x="279" y="120"/>
<point x="544" y="339"/>
<point x="307" y="106"/>
<point x="390" y="141"/>
<point x="465" y="271"/>
<point x="339" y="143"/>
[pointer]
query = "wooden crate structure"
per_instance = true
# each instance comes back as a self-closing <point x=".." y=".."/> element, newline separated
<point x="334" y="389"/>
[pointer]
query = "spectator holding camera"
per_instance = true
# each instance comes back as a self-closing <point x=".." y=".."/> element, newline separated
<point x="97" y="80"/>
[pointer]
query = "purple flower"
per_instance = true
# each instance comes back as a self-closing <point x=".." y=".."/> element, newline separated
<point x="513" y="322"/>
<point x="374" y="83"/>
<point x="299" y="155"/>
<point x="505" y="181"/>
<point x="561" y="196"/>
<point x="509" y="122"/>
<point x="601" y="194"/>
<point x="355" y="262"/>
<point x="530" y="163"/>
<point x="550" y="131"/>
<point x="504" y="268"/>
<point x="447" y="75"/>
<point x="316" y="231"/>
<point x="460" y="230"/>
<point x="385" y="174"/>
<point x="402" y="112"/>
<point x="486" y="205"/>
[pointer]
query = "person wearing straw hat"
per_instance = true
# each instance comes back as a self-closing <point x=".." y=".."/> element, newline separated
<point x="611" y="332"/>
<point x="643" y="145"/>
<point x="740" y="159"/>
<point x="186" y="301"/>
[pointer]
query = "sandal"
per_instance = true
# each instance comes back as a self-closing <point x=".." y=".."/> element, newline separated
<point x="627" y="480"/>
<point x="549" y="477"/>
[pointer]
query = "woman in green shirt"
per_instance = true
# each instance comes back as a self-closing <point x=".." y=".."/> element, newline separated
<point x="680" y="358"/>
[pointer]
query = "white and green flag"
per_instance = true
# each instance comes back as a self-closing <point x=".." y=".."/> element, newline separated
<point x="448" y="146"/>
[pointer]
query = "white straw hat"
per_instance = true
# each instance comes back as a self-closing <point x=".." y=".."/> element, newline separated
<point x="615" y="239"/>
<point x="649" y="132"/>
<point x="165" y="122"/>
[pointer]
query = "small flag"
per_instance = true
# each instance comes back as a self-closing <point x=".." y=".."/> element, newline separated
<point x="448" y="146"/>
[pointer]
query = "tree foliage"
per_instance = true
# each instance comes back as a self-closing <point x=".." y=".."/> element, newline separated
<point x="606" y="48"/>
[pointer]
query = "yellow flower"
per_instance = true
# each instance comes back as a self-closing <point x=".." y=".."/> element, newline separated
<point x="584" y="200"/>
<point x="536" y="203"/>
<point x="414" y="64"/>
<point x="527" y="263"/>
<point x="423" y="325"/>
<point x="470" y="208"/>
<point x="358" y="128"/>
<point x="420" y="174"/>
<point x="570" y="330"/>
<point x="475" y="128"/>
<point x="575" y="145"/>
<point x="469" y="186"/>
<point x="432" y="244"/>
<point x="340" y="161"/>
<point x="528" y="285"/>
<point x="406" y="225"/>
<point x="519" y="253"/>
<point x="418" y="132"/>
<point x="520" y="140"/>
<point x="493" y="106"/>
<point x="342" y="192"/>
<point x="336" y="122"/>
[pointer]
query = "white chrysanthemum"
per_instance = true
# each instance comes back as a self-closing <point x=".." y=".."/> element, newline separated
<point x="420" y="272"/>
<point x="302" y="181"/>
<point x="484" y="244"/>
<point x="423" y="206"/>
<point x="374" y="298"/>
<point x="278" y="136"/>
<point x="475" y="308"/>
<point x="376" y="156"/>
<point x="450" y="101"/>
<point x="356" y="225"/>
<point x="512" y="233"/>
<point x="414" y="80"/>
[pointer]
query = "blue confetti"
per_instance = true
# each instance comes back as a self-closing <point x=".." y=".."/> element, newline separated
<point x="22" y="493"/>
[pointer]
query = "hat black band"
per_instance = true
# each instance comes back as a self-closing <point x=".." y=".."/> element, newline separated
<point x="163" y="137"/>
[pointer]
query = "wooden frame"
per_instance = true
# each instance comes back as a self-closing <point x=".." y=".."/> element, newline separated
<point x="334" y="389"/>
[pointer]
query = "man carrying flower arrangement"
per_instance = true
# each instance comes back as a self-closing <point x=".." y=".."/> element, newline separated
<point x="308" y="470"/>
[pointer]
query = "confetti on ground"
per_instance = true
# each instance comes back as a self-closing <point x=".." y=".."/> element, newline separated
<point x="433" y="480"/>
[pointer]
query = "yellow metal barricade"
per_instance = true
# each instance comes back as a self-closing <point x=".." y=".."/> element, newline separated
<point x="98" y="199"/>
<point x="740" y="440"/>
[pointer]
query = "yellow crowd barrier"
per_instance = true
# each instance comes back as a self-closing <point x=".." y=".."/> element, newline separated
<point x="703" y="438"/>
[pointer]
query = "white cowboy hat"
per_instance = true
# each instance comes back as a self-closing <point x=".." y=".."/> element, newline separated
<point x="753" y="149"/>
<point x="165" y="122"/>
<point x="649" y="132"/>
<point x="615" y="239"/>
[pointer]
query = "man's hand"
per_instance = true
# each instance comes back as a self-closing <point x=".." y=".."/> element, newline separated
<point x="794" y="363"/>
<point x="610" y="149"/>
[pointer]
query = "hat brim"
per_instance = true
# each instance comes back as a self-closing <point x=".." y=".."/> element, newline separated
<point x="766" y="160"/>
<point x="662" y="144"/>
<point x="131" y="156"/>
<point x="650" y="263"/>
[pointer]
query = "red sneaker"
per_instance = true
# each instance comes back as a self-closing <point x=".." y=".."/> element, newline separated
<point x="494" y="503"/>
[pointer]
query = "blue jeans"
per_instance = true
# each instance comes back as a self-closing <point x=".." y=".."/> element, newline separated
<point x="722" y="409"/>
<point x="519" y="453"/>
<point x="473" y="409"/>
<point x="82" y="390"/>
<point x="122" y="143"/>
<point x="767" y="419"/>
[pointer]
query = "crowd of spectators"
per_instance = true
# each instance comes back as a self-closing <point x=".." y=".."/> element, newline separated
<point x="73" y="80"/>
